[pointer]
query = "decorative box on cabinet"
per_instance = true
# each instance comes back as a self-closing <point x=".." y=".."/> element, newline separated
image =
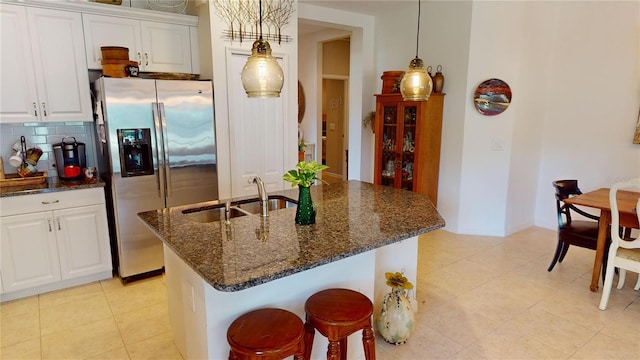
<point x="408" y="143"/>
<point x="156" y="46"/>
<point x="43" y="69"/>
<point x="53" y="240"/>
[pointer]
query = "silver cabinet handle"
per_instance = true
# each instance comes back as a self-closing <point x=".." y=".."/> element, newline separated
<point x="146" y="59"/>
<point x="35" y="109"/>
<point x="155" y="111"/>
<point x="44" y="109"/>
<point x="50" y="202"/>
<point x="139" y="57"/>
<point x="49" y="222"/>
<point x="58" y="220"/>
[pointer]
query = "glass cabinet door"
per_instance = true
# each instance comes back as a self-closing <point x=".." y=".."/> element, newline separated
<point x="406" y="147"/>
<point x="389" y="140"/>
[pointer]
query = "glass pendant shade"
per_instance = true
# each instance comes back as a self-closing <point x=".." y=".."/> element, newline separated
<point x="261" y="76"/>
<point x="416" y="84"/>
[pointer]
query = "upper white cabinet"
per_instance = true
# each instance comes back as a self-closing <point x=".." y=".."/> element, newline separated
<point x="156" y="46"/>
<point x="43" y="73"/>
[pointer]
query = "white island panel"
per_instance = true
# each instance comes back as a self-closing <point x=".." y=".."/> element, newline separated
<point x="200" y="314"/>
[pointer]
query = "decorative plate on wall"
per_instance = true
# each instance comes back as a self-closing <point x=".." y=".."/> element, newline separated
<point x="301" y="102"/>
<point x="492" y="97"/>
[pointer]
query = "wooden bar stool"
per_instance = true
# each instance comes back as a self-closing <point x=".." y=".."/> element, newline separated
<point x="336" y="314"/>
<point x="266" y="334"/>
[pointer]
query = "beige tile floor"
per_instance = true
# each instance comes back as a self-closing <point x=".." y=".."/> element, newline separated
<point x="480" y="297"/>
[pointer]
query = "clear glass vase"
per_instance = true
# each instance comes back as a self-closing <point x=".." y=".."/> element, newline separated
<point x="305" y="213"/>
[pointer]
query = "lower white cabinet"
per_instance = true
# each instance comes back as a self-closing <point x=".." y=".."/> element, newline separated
<point x="59" y="240"/>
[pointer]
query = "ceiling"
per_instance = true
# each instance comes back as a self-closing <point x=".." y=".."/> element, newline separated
<point x="367" y="7"/>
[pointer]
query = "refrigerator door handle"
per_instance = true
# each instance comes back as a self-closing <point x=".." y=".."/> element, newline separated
<point x="165" y="146"/>
<point x="159" y="148"/>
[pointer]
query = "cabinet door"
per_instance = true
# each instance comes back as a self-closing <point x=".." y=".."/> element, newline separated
<point x="166" y="48"/>
<point x="110" y="31"/>
<point x="60" y="65"/>
<point x="83" y="240"/>
<point x="18" y="96"/>
<point x="257" y="135"/>
<point x="389" y="142"/>
<point x="29" y="251"/>
<point x="406" y="146"/>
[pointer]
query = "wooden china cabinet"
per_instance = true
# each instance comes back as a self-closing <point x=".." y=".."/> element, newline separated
<point x="408" y="143"/>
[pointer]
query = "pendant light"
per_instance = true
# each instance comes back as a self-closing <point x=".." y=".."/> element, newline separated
<point x="261" y="76"/>
<point x="416" y="84"/>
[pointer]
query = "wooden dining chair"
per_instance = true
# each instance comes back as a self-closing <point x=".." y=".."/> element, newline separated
<point x="583" y="233"/>
<point x="624" y="254"/>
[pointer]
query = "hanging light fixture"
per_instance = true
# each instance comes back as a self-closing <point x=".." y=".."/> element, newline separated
<point x="261" y="76"/>
<point x="416" y="84"/>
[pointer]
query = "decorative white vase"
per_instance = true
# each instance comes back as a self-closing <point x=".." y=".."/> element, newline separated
<point x="396" y="320"/>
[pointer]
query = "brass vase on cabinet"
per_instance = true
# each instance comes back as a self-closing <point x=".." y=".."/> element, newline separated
<point x="438" y="81"/>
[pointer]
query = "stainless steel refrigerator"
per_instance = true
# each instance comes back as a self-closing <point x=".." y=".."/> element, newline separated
<point x="156" y="149"/>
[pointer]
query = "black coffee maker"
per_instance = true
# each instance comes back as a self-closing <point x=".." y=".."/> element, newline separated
<point x="70" y="158"/>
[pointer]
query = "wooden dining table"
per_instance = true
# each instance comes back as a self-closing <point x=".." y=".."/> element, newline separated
<point x="599" y="199"/>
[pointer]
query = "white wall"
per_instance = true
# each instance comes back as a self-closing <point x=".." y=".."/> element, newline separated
<point x="361" y="74"/>
<point x="309" y="74"/>
<point x="444" y="40"/>
<point x="573" y="67"/>
<point x="592" y="96"/>
<point x="220" y="46"/>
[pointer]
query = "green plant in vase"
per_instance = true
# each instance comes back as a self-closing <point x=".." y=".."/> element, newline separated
<point x="304" y="176"/>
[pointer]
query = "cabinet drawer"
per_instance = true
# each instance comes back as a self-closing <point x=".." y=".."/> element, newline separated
<point x="15" y="205"/>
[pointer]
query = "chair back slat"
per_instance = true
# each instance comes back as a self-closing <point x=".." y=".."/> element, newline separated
<point x="616" y="239"/>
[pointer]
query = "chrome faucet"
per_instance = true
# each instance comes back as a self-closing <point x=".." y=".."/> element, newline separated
<point x="262" y="194"/>
<point x="227" y="212"/>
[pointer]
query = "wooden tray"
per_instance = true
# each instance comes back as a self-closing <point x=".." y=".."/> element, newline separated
<point x="17" y="180"/>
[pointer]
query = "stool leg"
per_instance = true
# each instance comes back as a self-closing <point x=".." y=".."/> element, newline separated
<point x="343" y="348"/>
<point x="309" y="332"/>
<point x="333" y="353"/>
<point x="369" y="343"/>
<point x="232" y="355"/>
<point x="299" y="355"/>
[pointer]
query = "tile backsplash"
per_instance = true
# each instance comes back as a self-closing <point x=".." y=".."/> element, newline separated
<point x="44" y="136"/>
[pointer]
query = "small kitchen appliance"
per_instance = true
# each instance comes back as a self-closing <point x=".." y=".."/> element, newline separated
<point x="70" y="158"/>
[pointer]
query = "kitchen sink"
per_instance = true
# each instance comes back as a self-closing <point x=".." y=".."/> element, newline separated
<point x="238" y="208"/>
<point x="276" y="202"/>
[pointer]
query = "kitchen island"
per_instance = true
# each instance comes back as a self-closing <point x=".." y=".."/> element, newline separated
<point x="216" y="271"/>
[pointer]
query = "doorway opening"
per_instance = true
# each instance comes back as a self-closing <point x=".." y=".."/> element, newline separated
<point x="335" y="107"/>
<point x="335" y="127"/>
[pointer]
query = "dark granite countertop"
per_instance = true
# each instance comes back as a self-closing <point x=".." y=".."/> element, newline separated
<point x="52" y="184"/>
<point x="352" y="217"/>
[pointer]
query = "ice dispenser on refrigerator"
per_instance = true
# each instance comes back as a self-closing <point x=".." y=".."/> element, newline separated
<point x="135" y="152"/>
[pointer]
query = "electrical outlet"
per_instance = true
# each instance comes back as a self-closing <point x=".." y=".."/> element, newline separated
<point x="332" y="126"/>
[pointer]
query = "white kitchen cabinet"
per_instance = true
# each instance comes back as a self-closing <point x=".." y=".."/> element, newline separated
<point x="156" y="46"/>
<point x="29" y="251"/>
<point x="43" y="74"/>
<point x="257" y="135"/>
<point x="53" y="240"/>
